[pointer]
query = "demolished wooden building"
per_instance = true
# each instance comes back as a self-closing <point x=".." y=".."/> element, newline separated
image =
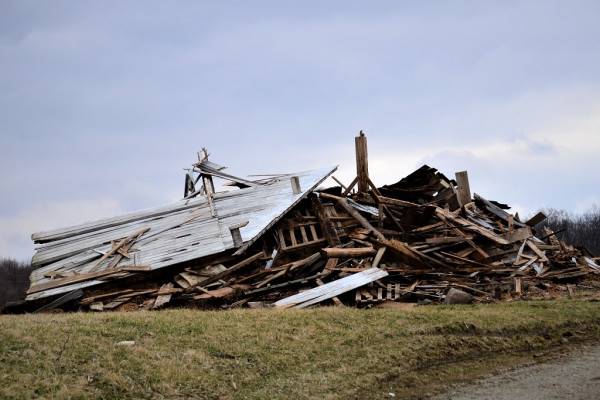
<point x="271" y="239"/>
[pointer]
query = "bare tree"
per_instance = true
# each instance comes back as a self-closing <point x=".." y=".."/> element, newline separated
<point x="576" y="229"/>
<point x="14" y="280"/>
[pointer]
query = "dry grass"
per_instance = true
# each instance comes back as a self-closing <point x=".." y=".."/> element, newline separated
<point x="313" y="354"/>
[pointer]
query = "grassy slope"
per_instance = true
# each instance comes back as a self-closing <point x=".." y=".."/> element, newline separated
<point x="320" y="353"/>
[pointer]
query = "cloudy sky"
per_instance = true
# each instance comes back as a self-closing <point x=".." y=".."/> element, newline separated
<point x="102" y="104"/>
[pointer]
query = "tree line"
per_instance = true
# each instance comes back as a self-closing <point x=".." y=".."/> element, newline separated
<point x="575" y="229"/>
<point x="14" y="280"/>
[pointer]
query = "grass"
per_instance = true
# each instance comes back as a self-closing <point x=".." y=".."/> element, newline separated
<point x="330" y="353"/>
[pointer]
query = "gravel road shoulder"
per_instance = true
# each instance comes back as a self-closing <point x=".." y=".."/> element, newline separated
<point x="574" y="376"/>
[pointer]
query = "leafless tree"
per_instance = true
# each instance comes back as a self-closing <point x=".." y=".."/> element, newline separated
<point x="14" y="280"/>
<point x="576" y="229"/>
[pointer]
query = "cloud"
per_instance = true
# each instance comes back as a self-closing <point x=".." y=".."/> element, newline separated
<point x="15" y="234"/>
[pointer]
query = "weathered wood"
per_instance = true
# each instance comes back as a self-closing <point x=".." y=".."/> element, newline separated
<point x="394" y="202"/>
<point x="295" y="182"/>
<point x="518" y="283"/>
<point x="378" y="256"/>
<point x="121" y="243"/>
<point x="234" y="268"/>
<point x="79" y="278"/>
<point x="362" y="163"/>
<point x="163" y="299"/>
<point x="327" y="226"/>
<point x="350" y="210"/>
<point x="518" y="235"/>
<point x="285" y="269"/>
<point x="344" y="187"/>
<point x="335" y="299"/>
<point x="536" y="219"/>
<point x="341" y="252"/>
<point x="350" y="187"/>
<point x="331" y="289"/>
<point x="447" y="215"/>
<point x="537" y="251"/>
<point x="463" y="188"/>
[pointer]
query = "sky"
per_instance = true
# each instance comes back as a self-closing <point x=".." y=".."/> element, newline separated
<point x="102" y="104"/>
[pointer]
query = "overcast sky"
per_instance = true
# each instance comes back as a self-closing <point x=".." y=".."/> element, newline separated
<point x="103" y="103"/>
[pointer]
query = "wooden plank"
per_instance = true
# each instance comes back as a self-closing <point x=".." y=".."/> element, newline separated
<point x="378" y="256"/>
<point x="341" y="252"/>
<point x="335" y="299"/>
<point x="447" y="239"/>
<point x="464" y="190"/>
<point x="518" y="235"/>
<point x="518" y="285"/>
<point x="293" y="237"/>
<point x="74" y="279"/>
<point x="394" y="202"/>
<point x="282" y="243"/>
<point x="303" y="233"/>
<point x="123" y="242"/>
<point x="163" y="299"/>
<point x="234" y="268"/>
<point x="350" y="187"/>
<point x="536" y="219"/>
<point x="447" y="215"/>
<point x="331" y="289"/>
<point x="344" y="187"/>
<point x="537" y="251"/>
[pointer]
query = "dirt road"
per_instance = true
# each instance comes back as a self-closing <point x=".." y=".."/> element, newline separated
<point x="575" y="376"/>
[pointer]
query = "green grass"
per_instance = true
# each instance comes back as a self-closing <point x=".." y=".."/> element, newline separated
<point x="258" y="354"/>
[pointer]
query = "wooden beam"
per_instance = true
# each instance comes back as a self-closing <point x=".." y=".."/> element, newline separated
<point x="341" y="252"/>
<point x="339" y="182"/>
<point x="362" y="163"/>
<point x="464" y="190"/>
<point x="350" y="187"/>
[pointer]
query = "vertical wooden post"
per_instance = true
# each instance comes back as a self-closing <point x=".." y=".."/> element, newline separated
<point x="296" y="189"/>
<point x="209" y="187"/>
<point x="362" y="162"/>
<point x="327" y="226"/>
<point x="464" y="190"/>
<point x="236" y="236"/>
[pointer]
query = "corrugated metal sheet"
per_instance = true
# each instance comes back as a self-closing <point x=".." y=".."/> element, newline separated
<point x="331" y="289"/>
<point x="179" y="232"/>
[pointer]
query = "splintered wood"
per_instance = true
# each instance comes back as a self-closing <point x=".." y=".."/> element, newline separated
<point x="415" y="240"/>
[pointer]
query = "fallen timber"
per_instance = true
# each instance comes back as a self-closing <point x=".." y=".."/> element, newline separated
<point x="282" y="241"/>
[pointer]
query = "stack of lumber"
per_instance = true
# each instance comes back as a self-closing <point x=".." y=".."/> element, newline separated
<point x="413" y="241"/>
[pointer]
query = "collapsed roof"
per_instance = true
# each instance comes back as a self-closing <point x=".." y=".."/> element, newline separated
<point x="188" y="229"/>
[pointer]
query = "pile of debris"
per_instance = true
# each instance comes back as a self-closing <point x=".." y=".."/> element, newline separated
<point x="281" y="241"/>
